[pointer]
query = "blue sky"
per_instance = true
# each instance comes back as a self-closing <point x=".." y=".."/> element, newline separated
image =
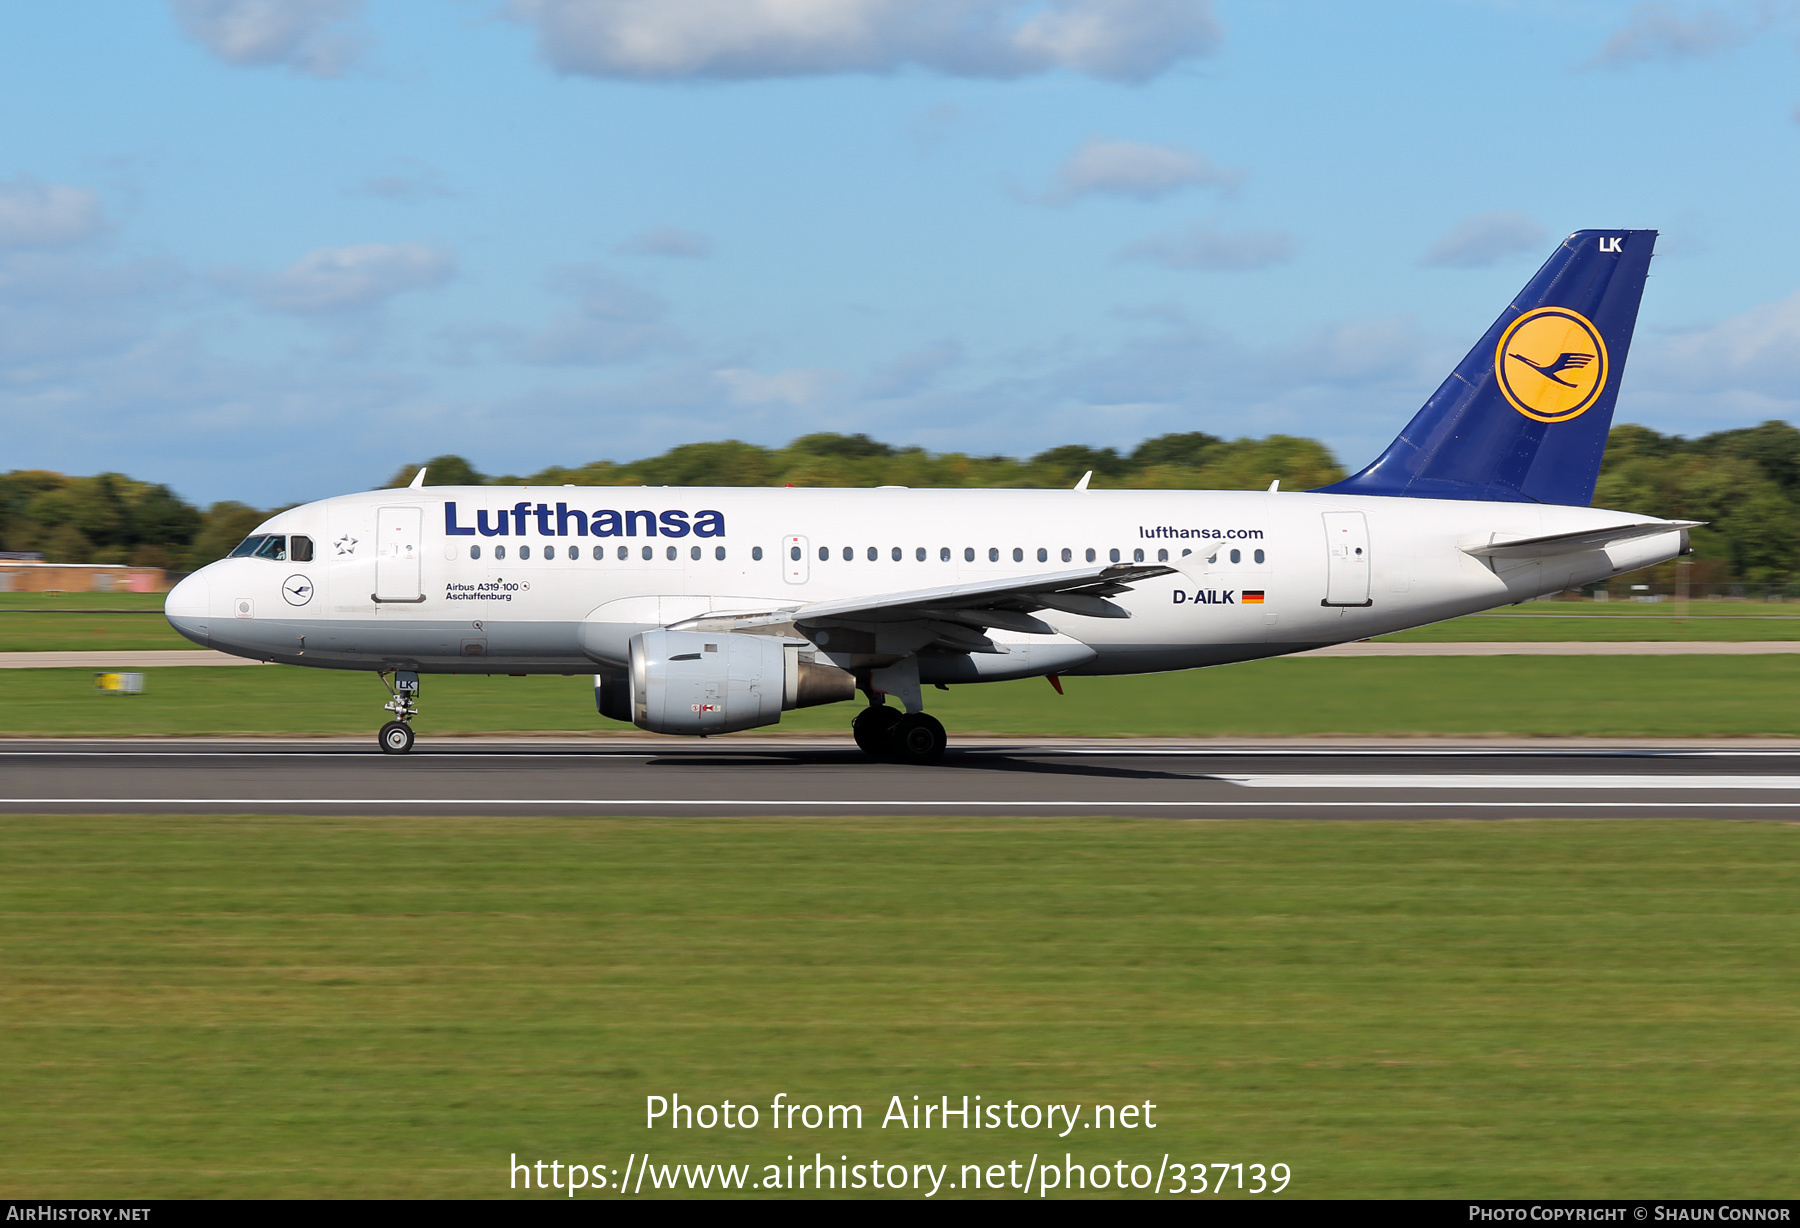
<point x="270" y="250"/>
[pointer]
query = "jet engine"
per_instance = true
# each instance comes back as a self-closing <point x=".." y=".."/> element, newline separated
<point x="700" y="682"/>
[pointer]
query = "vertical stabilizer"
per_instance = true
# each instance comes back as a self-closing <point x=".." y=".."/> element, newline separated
<point x="1524" y="416"/>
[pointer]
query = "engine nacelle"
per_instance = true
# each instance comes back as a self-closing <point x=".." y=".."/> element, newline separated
<point x="699" y="682"/>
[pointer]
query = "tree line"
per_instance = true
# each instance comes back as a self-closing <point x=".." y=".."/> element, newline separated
<point x="1744" y="483"/>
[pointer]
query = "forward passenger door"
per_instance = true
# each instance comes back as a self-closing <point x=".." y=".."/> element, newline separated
<point x="397" y="541"/>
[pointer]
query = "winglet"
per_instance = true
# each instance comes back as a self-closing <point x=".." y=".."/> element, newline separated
<point x="418" y="479"/>
<point x="1275" y="486"/>
<point x="1082" y="485"/>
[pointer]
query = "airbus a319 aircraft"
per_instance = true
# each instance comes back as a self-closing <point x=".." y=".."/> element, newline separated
<point x="706" y="610"/>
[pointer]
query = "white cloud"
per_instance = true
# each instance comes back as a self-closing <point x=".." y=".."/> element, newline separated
<point x="668" y="241"/>
<point x="1660" y="32"/>
<point x="795" y="387"/>
<point x="47" y="215"/>
<point x="408" y="181"/>
<point x="610" y="321"/>
<point x="1128" y="40"/>
<point x="338" y="278"/>
<point x="304" y="35"/>
<point x="1132" y="168"/>
<point x="913" y="372"/>
<point x="1215" y="251"/>
<point x="1757" y="351"/>
<point x="1484" y="238"/>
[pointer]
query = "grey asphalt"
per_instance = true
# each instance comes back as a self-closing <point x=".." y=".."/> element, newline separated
<point x="802" y="776"/>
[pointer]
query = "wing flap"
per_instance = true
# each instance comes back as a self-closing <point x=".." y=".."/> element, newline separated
<point x="1005" y="603"/>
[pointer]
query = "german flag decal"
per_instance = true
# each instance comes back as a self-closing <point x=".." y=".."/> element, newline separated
<point x="1253" y="596"/>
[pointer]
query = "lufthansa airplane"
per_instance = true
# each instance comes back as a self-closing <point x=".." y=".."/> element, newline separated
<point x="706" y="610"/>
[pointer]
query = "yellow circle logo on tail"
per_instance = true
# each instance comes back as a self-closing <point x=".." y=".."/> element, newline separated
<point x="1551" y="364"/>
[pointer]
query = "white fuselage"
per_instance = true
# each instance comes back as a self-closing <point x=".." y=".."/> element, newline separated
<point x="389" y="588"/>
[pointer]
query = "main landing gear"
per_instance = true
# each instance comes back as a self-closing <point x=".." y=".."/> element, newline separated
<point x="396" y="737"/>
<point x="905" y="737"/>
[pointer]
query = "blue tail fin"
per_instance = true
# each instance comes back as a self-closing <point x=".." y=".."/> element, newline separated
<point x="1524" y="417"/>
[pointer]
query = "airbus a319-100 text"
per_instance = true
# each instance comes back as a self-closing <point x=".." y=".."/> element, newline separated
<point x="702" y="611"/>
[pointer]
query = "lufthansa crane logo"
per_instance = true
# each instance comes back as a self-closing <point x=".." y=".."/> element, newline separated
<point x="1551" y="364"/>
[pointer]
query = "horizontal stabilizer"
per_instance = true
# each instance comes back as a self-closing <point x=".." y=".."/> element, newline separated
<point x="1574" y="543"/>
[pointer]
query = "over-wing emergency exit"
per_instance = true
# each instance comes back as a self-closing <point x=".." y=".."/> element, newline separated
<point x="703" y="611"/>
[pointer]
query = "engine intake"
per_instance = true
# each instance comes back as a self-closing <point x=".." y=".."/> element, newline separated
<point x="698" y="682"/>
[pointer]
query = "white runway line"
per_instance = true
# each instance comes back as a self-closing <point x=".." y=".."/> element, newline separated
<point x="1476" y="780"/>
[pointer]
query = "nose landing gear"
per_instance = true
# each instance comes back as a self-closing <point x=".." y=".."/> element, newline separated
<point x="396" y="737"/>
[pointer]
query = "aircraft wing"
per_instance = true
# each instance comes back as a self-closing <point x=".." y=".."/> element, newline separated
<point x="1006" y="603"/>
<point x="1573" y="543"/>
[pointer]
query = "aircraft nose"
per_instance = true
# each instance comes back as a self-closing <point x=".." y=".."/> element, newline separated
<point x="188" y="605"/>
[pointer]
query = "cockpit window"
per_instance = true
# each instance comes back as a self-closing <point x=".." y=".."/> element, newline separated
<point x="300" y="549"/>
<point x="266" y="546"/>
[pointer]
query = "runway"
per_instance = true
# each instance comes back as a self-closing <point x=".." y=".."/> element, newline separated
<point x="799" y="776"/>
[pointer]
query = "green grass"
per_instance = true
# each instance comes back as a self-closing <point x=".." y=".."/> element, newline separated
<point x="262" y="1007"/>
<point x="30" y="631"/>
<point x="1598" y="696"/>
<point x="64" y="602"/>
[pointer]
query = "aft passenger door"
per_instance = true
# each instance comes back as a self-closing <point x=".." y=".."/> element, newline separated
<point x="397" y="535"/>
<point x="795" y="565"/>
<point x="1347" y="559"/>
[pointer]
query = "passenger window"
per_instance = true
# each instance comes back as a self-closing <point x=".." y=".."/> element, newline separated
<point x="672" y="554"/>
<point x="1113" y="554"/>
<point x="300" y="549"/>
<point x="1043" y="555"/>
<point x="824" y="554"/>
<point x="1237" y="556"/>
<point x="624" y="553"/>
<point x="1258" y="556"/>
<point x="499" y="552"/>
<point x="599" y="554"/>
<point x="249" y="546"/>
<point x="1162" y="556"/>
<point x="694" y="553"/>
<point x="943" y="554"/>
<point x="968" y="554"/>
<point x="524" y="552"/>
<point x="719" y="553"/>
<point x="1090" y="554"/>
<point x="474" y="552"/>
<point x="849" y="554"/>
<point x="1068" y="555"/>
<point x="874" y="554"/>
<point x="921" y="554"/>
<point x="1018" y="555"/>
<point x="649" y="553"/>
<point x="549" y="552"/>
<point x="993" y="554"/>
<point x="756" y="552"/>
<point x="273" y="547"/>
<point x="897" y="554"/>
<point x="1137" y="556"/>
